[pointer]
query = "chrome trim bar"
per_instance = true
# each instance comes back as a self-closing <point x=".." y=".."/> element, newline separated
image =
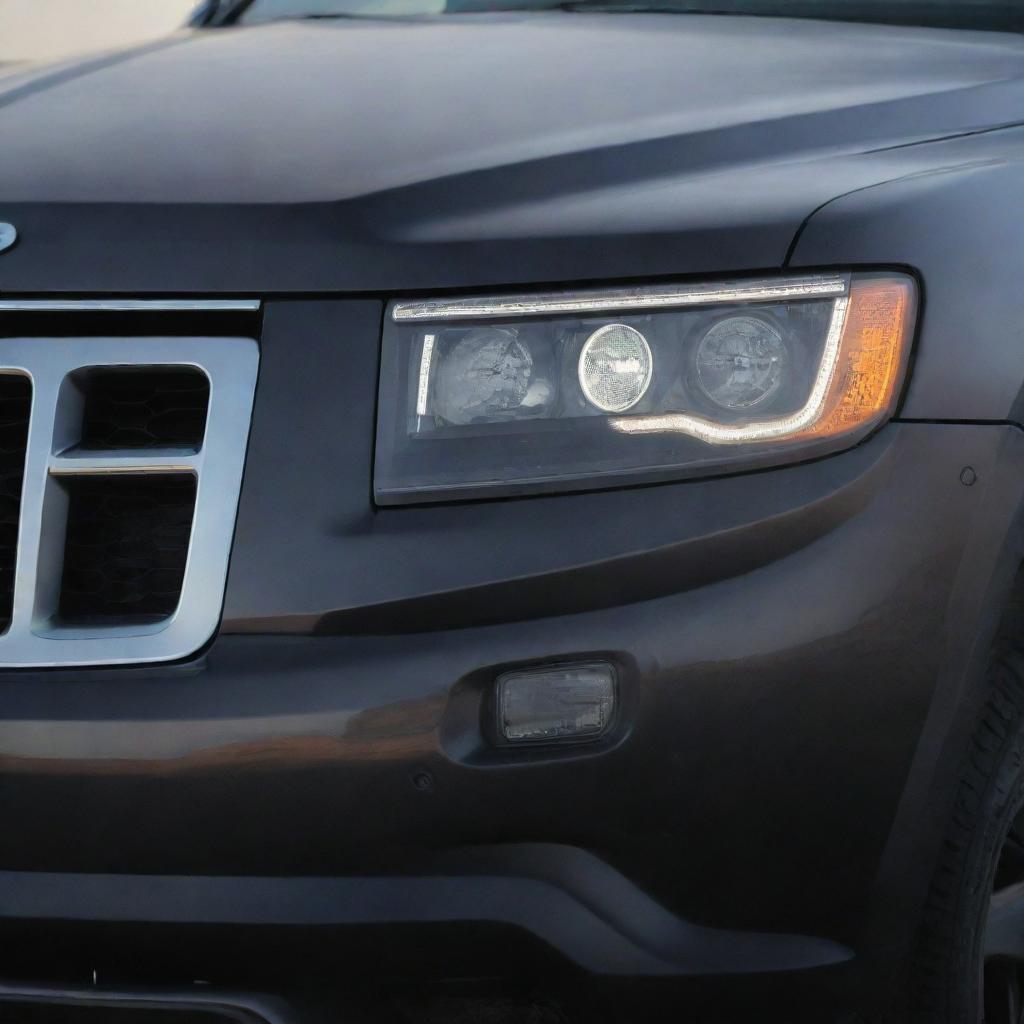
<point x="81" y="461"/>
<point x="129" y="305"/>
<point x="623" y="299"/>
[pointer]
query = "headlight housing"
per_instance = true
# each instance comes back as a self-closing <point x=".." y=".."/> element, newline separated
<point x="559" y="391"/>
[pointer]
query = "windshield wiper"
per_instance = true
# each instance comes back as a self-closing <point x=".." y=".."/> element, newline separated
<point x="998" y="15"/>
<point x="616" y="7"/>
<point x="992" y="15"/>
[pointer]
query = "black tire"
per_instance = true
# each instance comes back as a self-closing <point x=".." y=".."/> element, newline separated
<point x="947" y="985"/>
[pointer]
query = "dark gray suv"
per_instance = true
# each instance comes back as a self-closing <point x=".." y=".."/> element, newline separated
<point x="515" y="509"/>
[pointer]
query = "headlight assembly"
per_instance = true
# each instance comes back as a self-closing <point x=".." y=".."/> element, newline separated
<point x="560" y="391"/>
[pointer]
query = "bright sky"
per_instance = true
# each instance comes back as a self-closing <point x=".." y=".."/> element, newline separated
<point x="50" y="29"/>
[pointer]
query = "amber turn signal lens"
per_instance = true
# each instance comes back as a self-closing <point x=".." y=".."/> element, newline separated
<point x="875" y="342"/>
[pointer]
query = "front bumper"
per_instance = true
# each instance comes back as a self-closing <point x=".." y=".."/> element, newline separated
<point x="751" y="814"/>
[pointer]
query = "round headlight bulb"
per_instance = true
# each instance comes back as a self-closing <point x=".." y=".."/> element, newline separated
<point x="615" y="367"/>
<point x="741" y="362"/>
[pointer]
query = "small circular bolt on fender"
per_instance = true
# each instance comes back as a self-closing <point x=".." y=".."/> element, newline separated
<point x="424" y="782"/>
<point x="8" y="235"/>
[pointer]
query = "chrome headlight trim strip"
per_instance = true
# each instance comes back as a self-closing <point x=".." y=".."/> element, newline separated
<point x="622" y="299"/>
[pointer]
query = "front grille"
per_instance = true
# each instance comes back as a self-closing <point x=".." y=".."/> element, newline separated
<point x="127" y="475"/>
<point x="15" y="404"/>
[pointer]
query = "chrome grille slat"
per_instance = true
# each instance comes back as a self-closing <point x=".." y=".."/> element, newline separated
<point x="126" y="460"/>
<point x="35" y="637"/>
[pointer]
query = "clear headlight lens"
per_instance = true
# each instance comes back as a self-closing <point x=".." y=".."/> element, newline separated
<point x="560" y="391"/>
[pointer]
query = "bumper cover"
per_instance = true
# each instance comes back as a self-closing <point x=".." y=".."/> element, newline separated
<point x="341" y="781"/>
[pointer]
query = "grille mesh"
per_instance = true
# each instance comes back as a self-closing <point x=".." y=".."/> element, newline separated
<point x="126" y="545"/>
<point x="144" y="407"/>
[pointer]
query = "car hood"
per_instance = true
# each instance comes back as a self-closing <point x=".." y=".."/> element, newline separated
<point x="360" y="153"/>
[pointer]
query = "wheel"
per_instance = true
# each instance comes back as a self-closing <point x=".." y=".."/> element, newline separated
<point x="969" y="965"/>
<point x="1003" y="950"/>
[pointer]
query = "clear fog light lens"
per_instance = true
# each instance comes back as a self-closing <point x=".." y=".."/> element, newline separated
<point x="741" y="362"/>
<point x="564" y="703"/>
<point x="486" y="375"/>
<point x="615" y="368"/>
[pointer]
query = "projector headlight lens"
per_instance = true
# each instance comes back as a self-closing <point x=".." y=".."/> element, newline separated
<point x="560" y="391"/>
<point x="741" y="362"/>
<point x="615" y="368"/>
<point x="486" y="376"/>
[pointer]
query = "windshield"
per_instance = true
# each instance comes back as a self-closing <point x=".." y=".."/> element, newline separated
<point x="1000" y="15"/>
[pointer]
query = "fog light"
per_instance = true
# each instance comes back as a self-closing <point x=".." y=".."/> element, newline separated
<point x="568" y="702"/>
